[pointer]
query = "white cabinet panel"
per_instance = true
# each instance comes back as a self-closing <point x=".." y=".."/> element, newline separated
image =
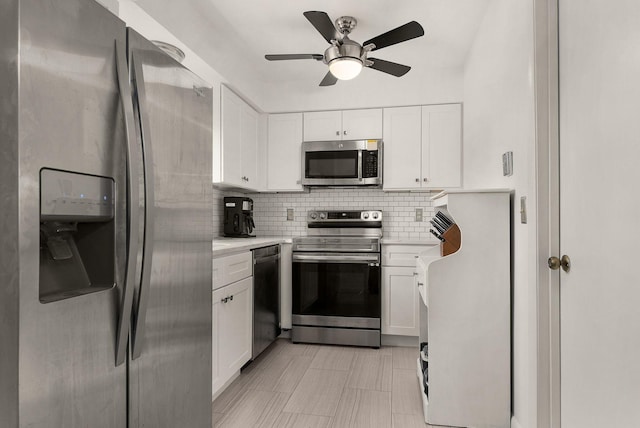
<point x="284" y="167"/>
<point x="239" y="143"/>
<point x="362" y="124"/>
<point x="322" y="125"/>
<point x="400" y="310"/>
<point x="232" y="268"/>
<point x="423" y="147"/>
<point x="249" y="143"/>
<point x="343" y="125"/>
<point x="231" y="138"/>
<point x="402" y="147"/>
<point x="232" y="330"/>
<point x="441" y="146"/>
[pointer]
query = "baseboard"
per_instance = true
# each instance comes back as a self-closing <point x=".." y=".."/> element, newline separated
<point x="393" y="340"/>
<point x="515" y="423"/>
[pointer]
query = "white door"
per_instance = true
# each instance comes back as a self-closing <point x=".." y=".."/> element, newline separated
<point x="249" y="146"/>
<point x="441" y="146"/>
<point x="231" y="138"/>
<point x="362" y="124"/>
<point x="402" y="147"/>
<point x="323" y="126"/>
<point x="600" y="213"/>
<point x="284" y="161"/>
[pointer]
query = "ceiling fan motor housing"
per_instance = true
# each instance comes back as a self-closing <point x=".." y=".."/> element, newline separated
<point x="347" y="49"/>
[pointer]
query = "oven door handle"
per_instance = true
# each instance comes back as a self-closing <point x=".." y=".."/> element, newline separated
<point x="336" y="258"/>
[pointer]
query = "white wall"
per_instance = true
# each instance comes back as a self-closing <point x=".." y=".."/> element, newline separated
<point x="499" y="117"/>
<point x="367" y="90"/>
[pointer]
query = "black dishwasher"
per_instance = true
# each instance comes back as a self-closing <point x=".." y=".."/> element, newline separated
<point x="266" y="297"/>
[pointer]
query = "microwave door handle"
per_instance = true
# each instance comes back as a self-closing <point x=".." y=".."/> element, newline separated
<point x="360" y="175"/>
<point x="129" y="275"/>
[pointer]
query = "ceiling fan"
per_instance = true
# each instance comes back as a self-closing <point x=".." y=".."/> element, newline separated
<point x="345" y="57"/>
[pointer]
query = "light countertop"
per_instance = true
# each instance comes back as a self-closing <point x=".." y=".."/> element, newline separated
<point x="223" y="246"/>
<point x="408" y="241"/>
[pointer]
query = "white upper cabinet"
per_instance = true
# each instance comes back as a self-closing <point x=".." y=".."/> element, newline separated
<point x="402" y="147"/>
<point x="362" y="124"/>
<point x="343" y="125"/>
<point x="322" y="125"/>
<point x="422" y="147"/>
<point x="283" y="155"/>
<point x="239" y="143"/>
<point x="441" y="146"/>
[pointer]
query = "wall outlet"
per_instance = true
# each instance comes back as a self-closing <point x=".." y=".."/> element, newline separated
<point x="419" y="213"/>
<point x="289" y="214"/>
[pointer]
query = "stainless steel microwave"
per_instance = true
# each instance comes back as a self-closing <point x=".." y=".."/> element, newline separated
<point x="342" y="163"/>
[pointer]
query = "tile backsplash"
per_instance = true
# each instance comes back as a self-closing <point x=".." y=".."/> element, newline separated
<point x="270" y="210"/>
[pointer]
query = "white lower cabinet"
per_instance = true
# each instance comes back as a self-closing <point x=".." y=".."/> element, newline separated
<point x="400" y="314"/>
<point x="232" y="330"/>
<point x="400" y="296"/>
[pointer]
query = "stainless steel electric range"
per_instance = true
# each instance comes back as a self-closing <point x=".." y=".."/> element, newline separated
<point x="337" y="279"/>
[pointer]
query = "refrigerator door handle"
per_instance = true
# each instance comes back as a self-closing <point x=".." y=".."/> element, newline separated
<point x="126" y="301"/>
<point x="147" y="249"/>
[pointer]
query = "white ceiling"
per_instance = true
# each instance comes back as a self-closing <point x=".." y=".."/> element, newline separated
<point x="234" y="35"/>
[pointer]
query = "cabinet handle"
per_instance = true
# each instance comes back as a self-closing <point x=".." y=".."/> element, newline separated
<point x="420" y="284"/>
<point x="231" y="298"/>
<point x="417" y="180"/>
<point x="224" y="300"/>
<point x="337" y="132"/>
<point x="345" y="132"/>
<point x="415" y="274"/>
<point x="425" y="179"/>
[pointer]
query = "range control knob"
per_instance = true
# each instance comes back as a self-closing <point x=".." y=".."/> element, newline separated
<point x="313" y="216"/>
<point x="375" y="216"/>
<point x="365" y="216"/>
<point x="323" y="216"/>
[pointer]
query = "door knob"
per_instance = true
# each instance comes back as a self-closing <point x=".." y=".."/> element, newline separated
<point x="557" y="263"/>
<point x="554" y="263"/>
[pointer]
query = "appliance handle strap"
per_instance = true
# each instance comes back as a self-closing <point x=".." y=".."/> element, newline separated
<point x="336" y="258"/>
<point x="129" y="275"/>
<point x="149" y="206"/>
<point x="259" y="260"/>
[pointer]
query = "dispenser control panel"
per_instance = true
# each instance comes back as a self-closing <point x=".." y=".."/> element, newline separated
<point x="72" y="196"/>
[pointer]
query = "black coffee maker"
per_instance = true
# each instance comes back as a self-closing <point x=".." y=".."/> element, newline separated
<point x="238" y="217"/>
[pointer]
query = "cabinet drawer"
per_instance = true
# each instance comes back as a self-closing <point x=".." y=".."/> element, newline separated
<point x="231" y="269"/>
<point x="401" y="255"/>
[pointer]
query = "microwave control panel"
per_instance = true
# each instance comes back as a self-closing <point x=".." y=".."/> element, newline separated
<point x="369" y="163"/>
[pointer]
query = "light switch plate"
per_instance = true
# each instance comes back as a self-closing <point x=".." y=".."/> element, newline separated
<point x="289" y="214"/>
<point x="507" y="164"/>
<point x="419" y="213"/>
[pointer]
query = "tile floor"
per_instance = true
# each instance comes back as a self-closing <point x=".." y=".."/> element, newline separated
<point x="299" y="386"/>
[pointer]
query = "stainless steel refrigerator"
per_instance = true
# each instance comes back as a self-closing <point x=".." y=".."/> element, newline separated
<point x="105" y="225"/>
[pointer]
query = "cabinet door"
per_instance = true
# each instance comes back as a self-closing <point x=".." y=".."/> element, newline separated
<point x="402" y="147"/>
<point x="400" y="310"/>
<point x="249" y="146"/>
<point x="231" y="138"/>
<point x="284" y="164"/>
<point x="362" y="124"/>
<point x="232" y="330"/>
<point x="441" y="146"/>
<point x="322" y="126"/>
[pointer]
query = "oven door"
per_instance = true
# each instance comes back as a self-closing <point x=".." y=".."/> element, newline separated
<point x="337" y="289"/>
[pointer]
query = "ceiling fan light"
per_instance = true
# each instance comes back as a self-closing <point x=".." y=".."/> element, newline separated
<point x="345" y="68"/>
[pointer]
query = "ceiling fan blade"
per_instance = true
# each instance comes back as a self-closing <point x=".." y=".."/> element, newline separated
<point x="281" y="57"/>
<point x="329" y="79"/>
<point x="322" y="23"/>
<point x="405" y="32"/>
<point x="389" y="67"/>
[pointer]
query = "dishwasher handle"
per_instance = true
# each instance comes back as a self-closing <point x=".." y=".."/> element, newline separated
<point x="259" y="260"/>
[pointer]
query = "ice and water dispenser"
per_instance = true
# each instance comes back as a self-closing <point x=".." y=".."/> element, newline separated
<point x="77" y="234"/>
